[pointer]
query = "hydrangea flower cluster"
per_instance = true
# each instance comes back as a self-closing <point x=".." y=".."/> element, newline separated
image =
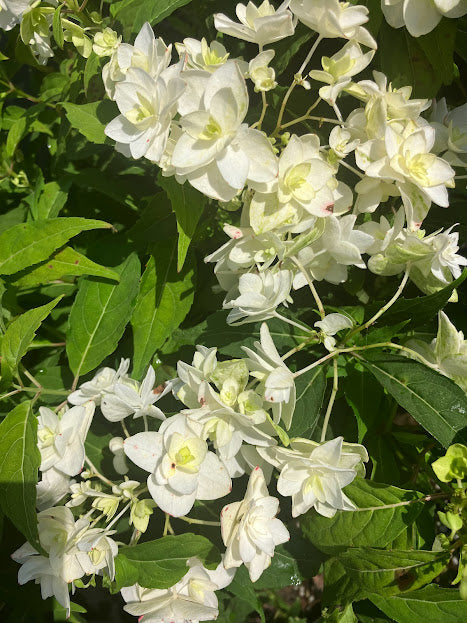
<point x="300" y="224"/>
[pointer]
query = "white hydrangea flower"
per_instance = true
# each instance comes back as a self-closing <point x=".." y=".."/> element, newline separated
<point x="250" y="530"/>
<point x="191" y="599"/>
<point x="60" y="439"/>
<point x="147" y="53"/>
<point x="106" y="42"/>
<point x="314" y="474"/>
<point x="52" y="487"/>
<point x="11" y="12"/>
<point x="227" y="428"/>
<point x="180" y="465"/>
<point x="132" y="398"/>
<point x="74" y="550"/>
<point x="341" y="141"/>
<point x="119" y="459"/>
<point x="277" y="381"/>
<point x="444" y="263"/>
<point x="263" y="76"/>
<point x="421" y="17"/>
<point x="261" y="25"/>
<point x="217" y="153"/>
<point x="330" y="325"/>
<point x="340" y="68"/>
<point x="304" y="176"/>
<point x="331" y="19"/>
<point x="447" y="353"/>
<point x="258" y="296"/>
<point x="451" y="132"/>
<point x="420" y="176"/>
<point x="147" y="106"/>
<point x="102" y="383"/>
<point x="344" y="243"/>
<point x="244" y="251"/>
<point x="199" y="55"/>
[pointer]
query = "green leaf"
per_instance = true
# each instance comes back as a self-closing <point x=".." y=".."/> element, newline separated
<point x="391" y="571"/>
<point x="243" y="588"/>
<point x="91" y="119"/>
<point x="99" y="315"/>
<point x="433" y="400"/>
<point x="67" y="261"/>
<point x="91" y="69"/>
<point x="15" y="134"/>
<point x="33" y="242"/>
<point x="188" y="205"/>
<point x="310" y="395"/>
<point x="19" y="464"/>
<point x="163" y="562"/>
<point x="133" y="13"/>
<point x="164" y="300"/>
<point x="19" y="335"/>
<point x="417" y="311"/>
<point x="438" y="46"/>
<point x="431" y="603"/>
<point x="390" y="511"/>
<point x="214" y="331"/>
<point x="57" y="27"/>
<point x="51" y="200"/>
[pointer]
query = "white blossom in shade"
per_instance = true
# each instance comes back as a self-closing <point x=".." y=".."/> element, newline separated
<point x="191" y="600"/>
<point x="314" y="474"/>
<point x="304" y="176"/>
<point x="333" y="19"/>
<point x="180" y="465"/>
<point x="147" y="53"/>
<point x="451" y="132"/>
<point x="250" y="529"/>
<point x="199" y="55"/>
<point x="69" y="556"/>
<point x="11" y="12"/>
<point x="245" y="250"/>
<point x="263" y="76"/>
<point x="277" y="381"/>
<point x="35" y="32"/>
<point x="341" y="141"/>
<point x="330" y="325"/>
<point x="132" y="398"/>
<point x="102" y="383"/>
<point x="445" y="261"/>
<point x="147" y="106"/>
<point x="344" y="243"/>
<point x="340" y="68"/>
<point x="258" y="296"/>
<point x="52" y="487"/>
<point x="119" y="458"/>
<point x="447" y="353"/>
<point x="261" y="25"/>
<point x="371" y="192"/>
<point x="217" y="153"/>
<point x="421" y="17"/>
<point x="60" y="439"/>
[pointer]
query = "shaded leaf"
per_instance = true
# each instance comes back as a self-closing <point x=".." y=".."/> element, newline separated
<point x="19" y="464"/>
<point x="164" y="300"/>
<point x="99" y="315"/>
<point x="310" y="395"/>
<point x="91" y="119"/>
<point x="433" y="400"/>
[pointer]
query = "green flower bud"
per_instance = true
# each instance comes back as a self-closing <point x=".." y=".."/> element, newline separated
<point x="453" y="521"/>
<point x="140" y="513"/>
<point x="107" y="505"/>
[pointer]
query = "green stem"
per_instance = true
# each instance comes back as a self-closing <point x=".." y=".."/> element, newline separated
<point x="200" y="522"/>
<point x="294" y="83"/>
<point x="383" y="309"/>
<point x="293" y="323"/>
<point x="332" y="398"/>
<point x="304" y="117"/>
<point x="311" y="285"/>
<point x="96" y="472"/>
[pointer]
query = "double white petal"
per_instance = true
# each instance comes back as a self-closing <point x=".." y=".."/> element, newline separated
<point x="180" y="465"/>
<point x="250" y="530"/>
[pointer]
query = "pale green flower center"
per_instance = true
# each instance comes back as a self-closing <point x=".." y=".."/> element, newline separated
<point x="418" y="166"/>
<point x="184" y="456"/>
<point x="140" y="112"/>
<point x="338" y="67"/>
<point x="46" y="436"/>
<point x="212" y="131"/>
